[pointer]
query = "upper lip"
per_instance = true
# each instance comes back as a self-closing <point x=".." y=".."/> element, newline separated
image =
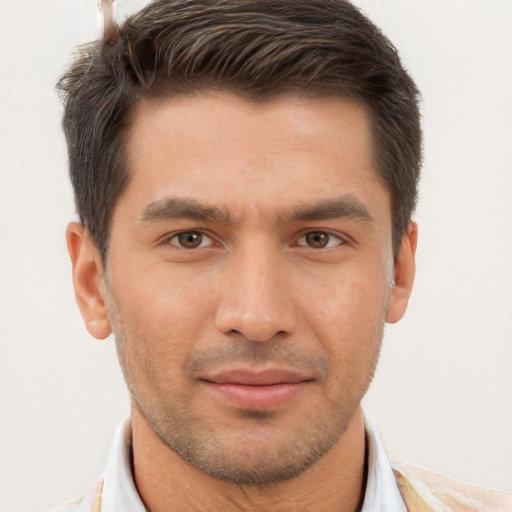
<point x="257" y="377"/>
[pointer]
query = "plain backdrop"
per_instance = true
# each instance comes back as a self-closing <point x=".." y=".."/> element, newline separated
<point x="442" y="394"/>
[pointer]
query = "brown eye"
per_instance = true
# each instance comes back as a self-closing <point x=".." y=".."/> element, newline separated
<point x="190" y="240"/>
<point x="319" y="240"/>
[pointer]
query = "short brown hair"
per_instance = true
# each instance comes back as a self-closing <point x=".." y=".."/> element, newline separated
<point x="253" y="47"/>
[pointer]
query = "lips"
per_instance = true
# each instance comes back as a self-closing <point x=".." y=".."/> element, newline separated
<point x="258" y="389"/>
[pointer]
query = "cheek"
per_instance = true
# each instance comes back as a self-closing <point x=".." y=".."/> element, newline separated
<point x="348" y="318"/>
<point x="159" y="318"/>
<point x="162" y="296"/>
<point x="347" y="300"/>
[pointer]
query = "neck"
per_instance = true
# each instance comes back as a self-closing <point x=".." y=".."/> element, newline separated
<point x="167" y="482"/>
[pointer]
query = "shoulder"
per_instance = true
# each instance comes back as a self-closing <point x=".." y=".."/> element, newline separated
<point x="425" y="491"/>
<point x="91" y="502"/>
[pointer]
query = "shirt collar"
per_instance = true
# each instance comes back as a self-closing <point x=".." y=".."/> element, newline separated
<point x="120" y="493"/>
<point x="382" y="493"/>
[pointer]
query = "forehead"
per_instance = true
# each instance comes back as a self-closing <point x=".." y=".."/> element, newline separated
<point x="300" y="119"/>
<point x="220" y="147"/>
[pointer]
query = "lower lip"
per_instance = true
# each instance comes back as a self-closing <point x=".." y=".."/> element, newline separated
<point x="259" y="397"/>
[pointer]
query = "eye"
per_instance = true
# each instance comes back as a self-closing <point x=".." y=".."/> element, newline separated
<point x="319" y="240"/>
<point x="190" y="240"/>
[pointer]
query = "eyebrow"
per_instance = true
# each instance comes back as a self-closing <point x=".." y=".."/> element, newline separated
<point x="184" y="208"/>
<point x="342" y="207"/>
<point x="179" y="208"/>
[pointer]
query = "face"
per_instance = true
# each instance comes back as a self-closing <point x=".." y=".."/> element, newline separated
<point x="249" y="277"/>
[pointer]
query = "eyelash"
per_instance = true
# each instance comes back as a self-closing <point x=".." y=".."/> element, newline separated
<point x="328" y="245"/>
<point x="330" y="236"/>
<point x="203" y="236"/>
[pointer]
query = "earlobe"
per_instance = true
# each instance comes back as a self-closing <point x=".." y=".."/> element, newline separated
<point x="404" y="272"/>
<point x="88" y="280"/>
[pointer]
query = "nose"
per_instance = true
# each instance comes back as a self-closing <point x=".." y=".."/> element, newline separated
<point x="256" y="301"/>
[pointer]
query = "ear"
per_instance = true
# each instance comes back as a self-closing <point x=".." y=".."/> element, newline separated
<point x="404" y="272"/>
<point x="88" y="280"/>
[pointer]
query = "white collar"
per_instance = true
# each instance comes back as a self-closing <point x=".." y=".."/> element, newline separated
<point x="120" y="493"/>
<point x="382" y="493"/>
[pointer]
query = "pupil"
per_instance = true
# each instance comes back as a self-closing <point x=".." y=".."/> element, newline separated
<point x="318" y="240"/>
<point x="190" y="240"/>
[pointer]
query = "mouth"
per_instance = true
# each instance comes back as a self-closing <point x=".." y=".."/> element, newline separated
<point x="258" y="389"/>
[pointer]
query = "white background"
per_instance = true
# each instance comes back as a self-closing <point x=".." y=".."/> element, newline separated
<point x="442" y="395"/>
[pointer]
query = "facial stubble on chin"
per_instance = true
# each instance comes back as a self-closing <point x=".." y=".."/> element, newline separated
<point x="228" y="459"/>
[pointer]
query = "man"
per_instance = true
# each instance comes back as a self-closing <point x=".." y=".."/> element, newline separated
<point x="245" y="174"/>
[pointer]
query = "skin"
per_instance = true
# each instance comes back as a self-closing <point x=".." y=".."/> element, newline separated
<point x="252" y="238"/>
